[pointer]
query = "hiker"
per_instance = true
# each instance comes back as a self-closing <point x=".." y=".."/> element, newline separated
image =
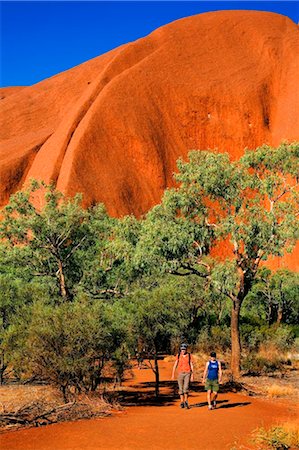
<point x="211" y="378"/>
<point x="184" y="365"/>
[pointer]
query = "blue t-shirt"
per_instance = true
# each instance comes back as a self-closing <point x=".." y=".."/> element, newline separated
<point x="213" y="368"/>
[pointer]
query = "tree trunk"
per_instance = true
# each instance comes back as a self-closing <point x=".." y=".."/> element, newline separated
<point x="157" y="376"/>
<point x="235" y="339"/>
<point x="62" y="284"/>
<point x="3" y="367"/>
<point x="279" y="316"/>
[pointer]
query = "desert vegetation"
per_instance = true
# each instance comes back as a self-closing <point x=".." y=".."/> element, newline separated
<point x="280" y="437"/>
<point x="81" y="291"/>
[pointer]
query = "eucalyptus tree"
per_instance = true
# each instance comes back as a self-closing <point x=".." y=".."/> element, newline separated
<point x="248" y="208"/>
<point x="48" y="236"/>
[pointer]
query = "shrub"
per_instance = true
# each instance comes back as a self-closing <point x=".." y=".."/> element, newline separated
<point x="213" y="338"/>
<point x="280" y="337"/>
<point x="251" y="336"/>
<point x="120" y="363"/>
<point x="280" y="437"/>
<point x="296" y="345"/>
<point x="255" y="364"/>
<point x="67" y="344"/>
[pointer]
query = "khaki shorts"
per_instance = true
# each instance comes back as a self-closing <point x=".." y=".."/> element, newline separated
<point x="212" y="385"/>
<point x="184" y="382"/>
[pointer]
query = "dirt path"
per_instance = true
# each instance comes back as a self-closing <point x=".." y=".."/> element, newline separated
<point x="157" y="425"/>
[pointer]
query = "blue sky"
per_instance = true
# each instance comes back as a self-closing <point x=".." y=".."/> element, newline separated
<point x="40" y="39"/>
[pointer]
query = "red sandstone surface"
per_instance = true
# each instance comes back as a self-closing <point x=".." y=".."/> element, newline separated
<point x="113" y="127"/>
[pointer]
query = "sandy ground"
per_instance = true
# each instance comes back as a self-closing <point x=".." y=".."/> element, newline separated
<point x="150" y="425"/>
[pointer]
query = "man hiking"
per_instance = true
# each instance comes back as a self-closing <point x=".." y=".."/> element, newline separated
<point x="211" y="378"/>
<point x="184" y="365"/>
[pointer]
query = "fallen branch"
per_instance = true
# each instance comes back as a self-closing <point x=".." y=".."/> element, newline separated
<point x="33" y="413"/>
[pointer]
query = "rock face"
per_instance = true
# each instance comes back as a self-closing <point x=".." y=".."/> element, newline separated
<point x="113" y="127"/>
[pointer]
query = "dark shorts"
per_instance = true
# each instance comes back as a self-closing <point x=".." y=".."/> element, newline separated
<point x="212" y="385"/>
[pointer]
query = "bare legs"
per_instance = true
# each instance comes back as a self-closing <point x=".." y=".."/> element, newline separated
<point x="209" y="398"/>
<point x="212" y="397"/>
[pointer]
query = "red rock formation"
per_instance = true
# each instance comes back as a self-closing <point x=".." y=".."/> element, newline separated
<point x="113" y="127"/>
<point x="5" y="92"/>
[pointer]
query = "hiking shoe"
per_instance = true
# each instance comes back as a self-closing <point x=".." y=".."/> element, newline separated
<point x="187" y="405"/>
<point x="210" y="407"/>
<point x="182" y="405"/>
<point x="214" y="404"/>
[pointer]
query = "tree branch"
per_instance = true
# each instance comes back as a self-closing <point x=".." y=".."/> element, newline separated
<point x="194" y="271"/>
<point x="75" y="248"/>
<point x="285" y="191"/>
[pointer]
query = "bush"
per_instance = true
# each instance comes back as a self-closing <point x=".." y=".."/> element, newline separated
<point x="120" y="363"/>
<point x="280" y="337"/>
<point x="281" y="437"/>
<point x="213" y="338"/>
<point x="251" y="336"/>
<point x="67" y="344"/>
<point x="255" y="364"/>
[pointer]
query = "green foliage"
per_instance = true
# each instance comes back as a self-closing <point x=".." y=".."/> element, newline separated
<point x="15" y="296"/>
<point x="279" y="437"/>
<point x="278" y="295"/>
<point x="252" y="203"/>
<point x="60" y="263"/>
<point x="255" y="364"/>
<point x="174" y="310"/>
<point x="67" y="247"/>
<point x="219" y="199"/>
<point x="213" y="338"/>
<point x="66" y="344"/>
<point x="156" y="316"/>
<point x="280" y="337"/>
<point x="120" y="362"/>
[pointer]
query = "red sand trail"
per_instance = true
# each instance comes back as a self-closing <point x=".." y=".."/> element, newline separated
<point x="158" y="426"/>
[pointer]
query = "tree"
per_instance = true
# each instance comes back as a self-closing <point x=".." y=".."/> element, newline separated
<point x="155" y="317"/>
<point x="278" y="293"/>
<point x="250" y="205"/>
<point x="60" y="242"/>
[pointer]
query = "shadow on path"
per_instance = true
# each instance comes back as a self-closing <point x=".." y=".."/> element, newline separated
<point x="128" y="397"/>
<point x="201" y="404"/>
<point x="142" y="394"/>
<point x="234" y="405"/>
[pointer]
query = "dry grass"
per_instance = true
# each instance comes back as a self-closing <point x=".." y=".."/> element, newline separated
<point x="170" y="358"/>
<point x="41" y="405"/>
<point x="270" y="352"/>
<point x="13" y="397"/>
<point x="276" y="390"/>
<point x="279" y="437"/>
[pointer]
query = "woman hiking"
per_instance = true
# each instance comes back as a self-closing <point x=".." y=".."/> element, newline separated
<point x="184" y="365"/>
<point x="211" y="378"/>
